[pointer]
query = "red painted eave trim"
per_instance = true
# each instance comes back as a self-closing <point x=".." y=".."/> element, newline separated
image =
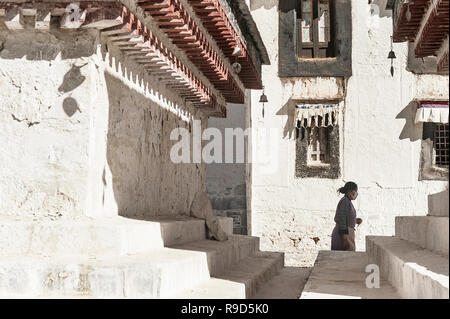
<point x="175" y="20"/>
<point x="124" y="30"/>
<point x="213" y="15"/>
<point x="434" y="31"/>
<point x="405" y="30"/>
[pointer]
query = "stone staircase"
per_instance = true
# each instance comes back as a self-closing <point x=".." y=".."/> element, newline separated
<point x="413" y="264"/>
<point x="342" y="275"/>
<point x="125" y="258"/>
<point x="415" y="260"/>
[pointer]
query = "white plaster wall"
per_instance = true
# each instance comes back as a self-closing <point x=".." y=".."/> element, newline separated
<point x="221" y="176"/>
<point x="380" y="144"/>
<point x="226" y="182"/>
<point x="43" y="166"/>
<point x="109" y="155"/>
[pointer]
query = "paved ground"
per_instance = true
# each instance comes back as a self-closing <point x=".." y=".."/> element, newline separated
<point x="341" y="275"/>
<point x="288" y="284"/>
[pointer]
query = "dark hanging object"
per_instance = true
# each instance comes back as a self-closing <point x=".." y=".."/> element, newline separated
<point x="392" y="57"/>
<point x="408" y="10"/>
<point x="237" y="67"/>
<point x="263" y="99"/>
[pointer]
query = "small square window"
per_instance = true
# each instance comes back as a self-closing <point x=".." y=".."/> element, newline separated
<point x="311" y="31"/>
<point x="318" y="150"/>
<point x="441" y="145"/>
<point x="434" y="158"/>
<point x="315" y="29"/>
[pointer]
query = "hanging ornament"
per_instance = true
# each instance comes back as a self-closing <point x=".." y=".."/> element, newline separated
<point x="408" y="10"/>
<point x="408" y="14"/>
<point x="392" y="56"/>
<point x="263" y="99"/>
<point x="237" y="67"/>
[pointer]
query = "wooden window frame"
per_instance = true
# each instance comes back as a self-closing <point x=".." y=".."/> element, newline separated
<point x="319" y="50"/>
<point x="304" y="169"/>
<point x="339" y="61"/>
<point x="441" y="145"/>
<point x="321" y="144"/>
<point x="429" y="169"/>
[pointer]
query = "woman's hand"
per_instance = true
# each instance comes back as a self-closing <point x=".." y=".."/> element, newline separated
<point x="359" y="221"/>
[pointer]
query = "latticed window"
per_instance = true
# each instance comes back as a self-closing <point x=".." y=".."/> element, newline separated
<point x="315" y="29"/>
<point x="318" y="149"/>
<point x="441" y="144"/>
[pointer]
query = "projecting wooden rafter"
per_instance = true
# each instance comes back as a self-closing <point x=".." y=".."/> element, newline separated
<point x="433" y="30"/>
<point x="215" y="20"/>
<point x="425" y="23"/>
<point x="405" y="30"/>
<point x="126" y="31"/>
<point x="173" y="18"/>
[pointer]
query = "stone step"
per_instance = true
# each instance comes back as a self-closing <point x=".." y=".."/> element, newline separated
<point x="342" y="275"/>
<point x="438" y="204"/>
<point x="214" y="288"/>
<point x="157" y="274"/>
<point x="287" y="284"/>
<point x="223" y="255"/>
<point x="241" y="281"/>
<point x="428" y="232"/>
<point x="414" y="271"/>
<point x="117" y="236"/>
<point x="113" y="236"/>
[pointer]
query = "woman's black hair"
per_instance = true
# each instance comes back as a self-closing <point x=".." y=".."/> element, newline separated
<point x="349" y="186"/>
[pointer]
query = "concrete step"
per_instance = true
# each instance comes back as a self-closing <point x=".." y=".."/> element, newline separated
<point x="157" y="274"/>
<point x="223" y="255"/>
<point x="287" y="284"/>
<point x="342" y="275"/>
<point x="214" y="288"/>
<point x="438" y="204"/>
<point x="113" y="236"/>
<point x="414" y="271"/>
<point x="428" y="232"/>
<point x="241" y="281"/>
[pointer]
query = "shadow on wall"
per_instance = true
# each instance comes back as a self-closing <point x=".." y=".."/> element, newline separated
<point x="289" y="128"/>
<point x="266" y="4"/>
<point x="68" y="44"/>
<point x="411" y="130"/>
<point x="72" y="79"/>
<point x="379" y="8"/>
<point x="47" y="46"/>
<point x="146" y="182"/>
<point x="424" y="65"/>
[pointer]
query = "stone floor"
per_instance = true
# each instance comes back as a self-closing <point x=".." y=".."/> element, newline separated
<point x="126" y="258"/>
<point x="341" y="275"/>
<point x="288" y="284"/>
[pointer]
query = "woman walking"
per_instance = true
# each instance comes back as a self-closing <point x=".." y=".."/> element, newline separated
<point x="343" y="237"/>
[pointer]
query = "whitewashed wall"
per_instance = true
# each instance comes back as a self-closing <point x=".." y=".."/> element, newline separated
<point x="380" y="144"/>
<point x="226" y="182"/>
<point x="92" y="141"/>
